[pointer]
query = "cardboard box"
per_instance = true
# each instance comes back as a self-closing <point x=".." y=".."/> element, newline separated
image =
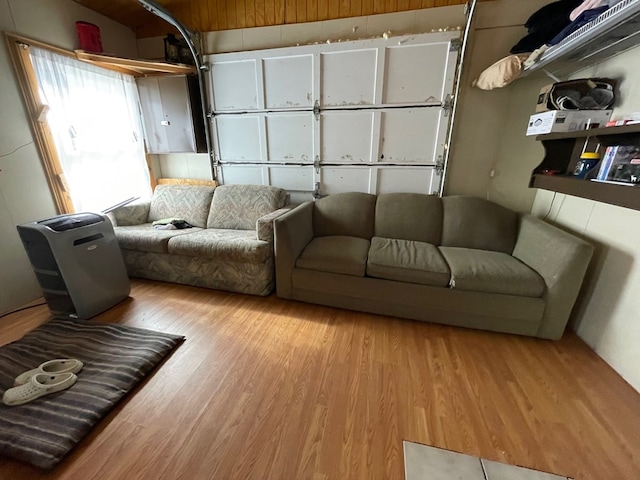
<point x="544" y="99"/>
<point x="567" y="121"/>
<point x="549" y="94"/>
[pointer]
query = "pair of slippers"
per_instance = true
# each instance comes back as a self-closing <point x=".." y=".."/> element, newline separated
<point x="49" y="377"/>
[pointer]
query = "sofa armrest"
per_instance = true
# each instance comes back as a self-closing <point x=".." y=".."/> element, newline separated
<point x="132" y="214"/>
<point x="264" y="225"/>
<point x="293" y="231"/>
<point x="561" y="259"/>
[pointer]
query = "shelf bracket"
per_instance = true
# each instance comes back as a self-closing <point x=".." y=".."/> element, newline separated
<point x="551" y="75"/>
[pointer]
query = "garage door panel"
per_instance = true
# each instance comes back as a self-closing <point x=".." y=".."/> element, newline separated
<point x="371" y="111"/>
<point x="235" y="85"/>
<point x="345" y="179"/>
<point x="411" y="135"/>
<point x="292" y="178"/>
<point x="288" y="81"/>
<point x="336" y="147"/>
<point x="290" y="137"/>
<point x="241" y="175"/>
<point x="407" y="180"/>
<point x="409" y="78"/>
<point x="238" y="138"/>
<point x="348" y="77"/>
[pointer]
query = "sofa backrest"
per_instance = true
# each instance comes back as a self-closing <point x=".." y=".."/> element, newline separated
<point x="238" y="207"/>
<point x="349" y="214"/>
<point x="472" y="222"/>
<point x="187" y="202"/>
<point x="409" y="216"/>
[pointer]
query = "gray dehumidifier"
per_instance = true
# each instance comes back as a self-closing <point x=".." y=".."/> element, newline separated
<point x="78" y="264"/>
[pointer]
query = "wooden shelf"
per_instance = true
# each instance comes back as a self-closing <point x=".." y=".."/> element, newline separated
<point x="134" y="67"/>
<point x="562" y="152"/>
<point x="622" y="195"/>
<point x="593" y="132"/>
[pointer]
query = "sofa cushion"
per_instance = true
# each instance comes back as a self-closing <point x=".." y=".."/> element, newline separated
<point x="187" y="202"/>
<point x="229" y="245"/>
<point x="407" y="261"/>
<point x="349" y="214"/>
<point x="336" y="254"/>
<point x="472" y="222"/>
<point x="409" y="216"/>
<point x="145" y="238"/>
<point x="492" y="272"/>
<point x="240" y="206"/>
<point x="131" y="214"/>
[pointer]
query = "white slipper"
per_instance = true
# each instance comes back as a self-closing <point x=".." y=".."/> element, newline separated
<point x="59" y="365"/>
<point x="38" y="386"/>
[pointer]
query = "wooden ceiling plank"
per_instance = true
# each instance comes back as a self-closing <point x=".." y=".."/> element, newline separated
<point x="232" y="20"/>
<point x="334" y="8"/>
<point x="290" y="12"/>
<point x="250" y="12"/>
<point x="212" y="9"/>
<point x="344" y="8"/>
<point x="221" y="9"/>
<point x="367" y="7"/>
<point x="241" y="14"/>
<point x="301" y="11"/>
<point x="215" y="15"/>
<point x="260" y="13"/>
<point x="356" y="7"/>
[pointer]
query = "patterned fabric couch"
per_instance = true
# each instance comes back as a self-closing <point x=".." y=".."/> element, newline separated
<point x="230" y="246"/>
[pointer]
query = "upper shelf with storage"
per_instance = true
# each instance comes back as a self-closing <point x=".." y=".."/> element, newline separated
<point x="562" y="154"/>
<point x="616" y="30"/>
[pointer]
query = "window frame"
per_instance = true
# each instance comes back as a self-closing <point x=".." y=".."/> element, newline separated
<point x="18" y="47"/>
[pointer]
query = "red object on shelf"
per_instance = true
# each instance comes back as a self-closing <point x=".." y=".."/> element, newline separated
<point x="89" y="37"/>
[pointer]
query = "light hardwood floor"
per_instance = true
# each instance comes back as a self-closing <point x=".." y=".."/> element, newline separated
<point x="265" y="388"/>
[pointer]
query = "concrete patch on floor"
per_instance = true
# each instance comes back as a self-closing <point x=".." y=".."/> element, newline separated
<point x="422" y="462"/>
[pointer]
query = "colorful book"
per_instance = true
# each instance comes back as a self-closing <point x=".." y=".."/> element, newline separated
<point x="605" y="165"/>
<point x="625" y="165"/>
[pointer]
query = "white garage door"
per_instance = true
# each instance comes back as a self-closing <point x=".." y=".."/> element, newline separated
<point x="368" y="115"/>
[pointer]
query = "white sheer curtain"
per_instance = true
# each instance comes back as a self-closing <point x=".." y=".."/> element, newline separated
<point x="94" y="117"/>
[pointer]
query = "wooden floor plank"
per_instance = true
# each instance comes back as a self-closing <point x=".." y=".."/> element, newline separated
<point x="265" y="388"/>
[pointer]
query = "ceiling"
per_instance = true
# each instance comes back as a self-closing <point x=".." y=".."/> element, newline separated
<point x="212" y="15"/>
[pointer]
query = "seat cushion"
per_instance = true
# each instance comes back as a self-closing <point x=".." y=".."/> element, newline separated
<point x="231" y="245"/>
<point x="240" y="206"/>
<point x="336" y="254"/>
<point x="407" y="261"/>
<point x="145" y="238"/>
<point x="492" y="272"/>
<point x="187" y="202"/>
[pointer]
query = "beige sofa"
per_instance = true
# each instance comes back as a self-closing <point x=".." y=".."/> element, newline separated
<point x="455" y="260"/>
<point x="230" y="246"/>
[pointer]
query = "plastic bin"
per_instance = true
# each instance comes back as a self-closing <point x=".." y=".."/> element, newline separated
<point x="89" y="37"/>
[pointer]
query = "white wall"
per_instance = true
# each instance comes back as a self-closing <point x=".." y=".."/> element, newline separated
<point x="24" y="193"/>
<point x="607" y="316"/>
<point x="490" y="156"/>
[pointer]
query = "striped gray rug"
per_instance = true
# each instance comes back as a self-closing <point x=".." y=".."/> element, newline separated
<point x="115" y="359"/>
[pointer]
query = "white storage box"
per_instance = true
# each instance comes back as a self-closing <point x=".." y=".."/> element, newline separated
<point x="567" y="121"/>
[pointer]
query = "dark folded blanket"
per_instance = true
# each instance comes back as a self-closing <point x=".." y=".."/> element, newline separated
<point x="171" y="224"/>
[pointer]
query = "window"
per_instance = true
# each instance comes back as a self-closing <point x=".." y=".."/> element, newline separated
<point x="86" y="124"/>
